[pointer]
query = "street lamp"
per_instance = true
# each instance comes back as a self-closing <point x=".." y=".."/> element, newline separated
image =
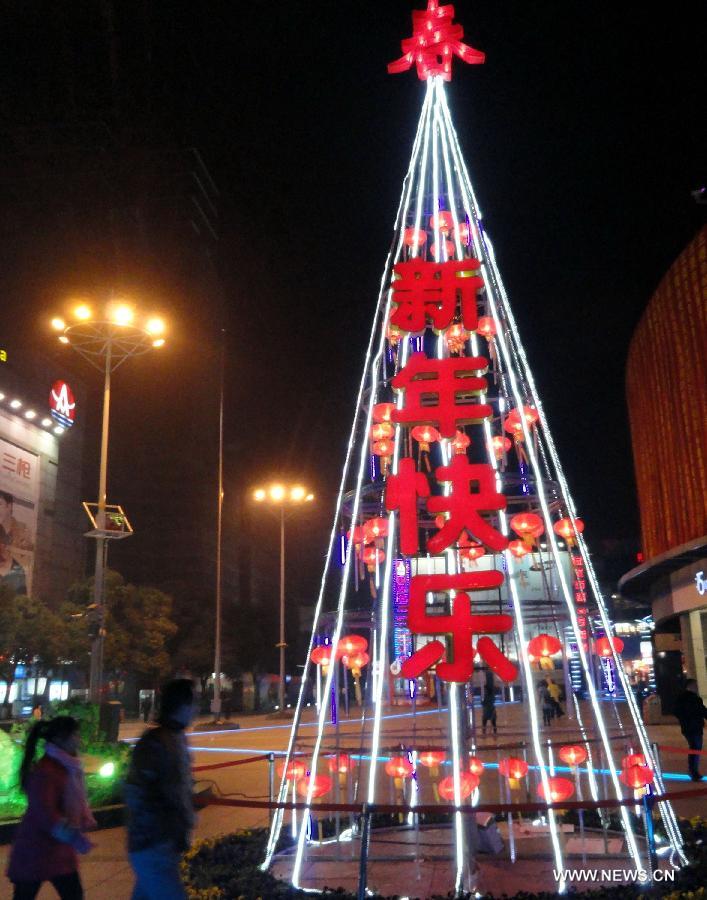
<point x="283" y="497"/>
<point x="106" y="334"/>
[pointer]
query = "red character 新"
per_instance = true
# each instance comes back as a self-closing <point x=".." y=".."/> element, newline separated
<point x="459" y="627"/>
<point x="473" y="491"/>
<point x="401" y="493"/>
<point x="442" y="392"/>
<point x="430" y="290"/>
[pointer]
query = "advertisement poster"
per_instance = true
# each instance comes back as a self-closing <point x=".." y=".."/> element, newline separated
<point x="19" y="495"/>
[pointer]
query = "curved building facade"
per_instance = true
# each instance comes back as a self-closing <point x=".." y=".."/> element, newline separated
<point x="666" y="392"/>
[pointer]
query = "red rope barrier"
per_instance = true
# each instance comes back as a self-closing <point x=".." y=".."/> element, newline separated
<point x="233" y="762"/>
<point x="681" y="750"/>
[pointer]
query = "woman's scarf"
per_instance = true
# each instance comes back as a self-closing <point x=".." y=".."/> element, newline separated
<point x="76" y="808"/>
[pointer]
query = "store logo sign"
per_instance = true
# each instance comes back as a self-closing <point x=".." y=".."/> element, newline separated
<point x="3" y="355"/>
<point x="62" y="404"/>
<point x="701" y="583"/>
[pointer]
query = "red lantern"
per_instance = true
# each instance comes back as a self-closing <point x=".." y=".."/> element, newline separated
<point x="440" y="520"/>
<point x="321" y="784"/>
<point x="356" y="661"/>
<point x="527" y="525"/>
<point x="383" y="448"/>
<point x="486" y="327"/>
<point x="637" y="777"/>
<point x="463" y="232"/>
<point x="476" y="551"/>
<point x="456" y="336"/>
<point x="352" y="643"/>
<point x="476" y="767"/>
<point x="399" y="767"/>
<point x="512" y="767"/>
<point x="414" y="237"/>
<point x="425" y="435"/>
<point x="544" y="645"/>
<point x="500" y="446"/>
<point x="382" y="412"/>
<point x="513" y="425"/>
<point x="381" y="431"/>
<point x="322" y="655"/>
<point x="341" y="763"/>
<point x="356" y="535"/>
<point x="293" y="771"/>
<point x="460" y="442"/>
<point x="559" y="789"/>
<point x="468" y="783"/>
<point x="374" y="529"/>
<point x="443" y="221"/>
<point x="564" y="529"/>
<point x="431" y="759"/>
<point x="449" y="248"/>
<point x="373" y="557"/>
<point x="603" y="646"/>
<point x="633" y="759"/>
<point x="519" y="549"/>
<point x="572" y="755"/>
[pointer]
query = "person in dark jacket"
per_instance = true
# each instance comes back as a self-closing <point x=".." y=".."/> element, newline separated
<point x="51" y="832"/>
<point x="158" y="794"/>
<point x="691" y="713"/>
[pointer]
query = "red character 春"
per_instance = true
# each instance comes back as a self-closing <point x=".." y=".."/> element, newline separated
<point x="442" y="392"/>
<point x="429" y="290"/>
<point x="473" y="490"/>
<point x="401" y="493"/>
<point x="460" y="627"/>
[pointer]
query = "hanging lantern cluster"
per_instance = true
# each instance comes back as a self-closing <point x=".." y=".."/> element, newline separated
<point x="512" y="423"/>
<point x="381" y="431"/>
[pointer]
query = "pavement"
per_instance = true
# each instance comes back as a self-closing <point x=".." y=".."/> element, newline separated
<point x="106" y="872"/>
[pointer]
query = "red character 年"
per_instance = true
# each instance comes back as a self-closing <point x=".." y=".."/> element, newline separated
<point x="442" y="392"/>
<point x="428" y="290"/>
<point x="460" y="627"/>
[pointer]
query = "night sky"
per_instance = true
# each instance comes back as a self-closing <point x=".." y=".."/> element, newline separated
<point x="582" y="136"/>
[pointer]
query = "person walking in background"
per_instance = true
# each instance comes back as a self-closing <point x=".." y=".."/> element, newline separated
<point x="555" y="695"/>
<point x="488" y="704"/>
<point x="145" y="709"/>
<point x="546" y="700"/>
<point x="158" y="794"/>
<point x="691" y="714"/>
<point x="51" y="832"/>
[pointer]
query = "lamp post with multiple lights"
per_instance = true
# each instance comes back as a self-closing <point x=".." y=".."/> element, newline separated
<point x="283" y="497"/>
<point x="106" y="334"/>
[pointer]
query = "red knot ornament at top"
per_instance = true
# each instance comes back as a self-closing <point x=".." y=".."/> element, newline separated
<point x="435" y="40"/>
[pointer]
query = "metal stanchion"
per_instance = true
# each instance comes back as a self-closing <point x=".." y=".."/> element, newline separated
<point x="271" y="784"/>
<point x="363" y="862"/>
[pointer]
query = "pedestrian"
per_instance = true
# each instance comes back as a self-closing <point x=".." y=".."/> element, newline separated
<point x="555" y="695"/>
<point x="488" y="704"/>
<point x="546" y="701"/>
<point x="52" y="830"/>
<point x="37" y="711"/>
<point x="145" y="709"/>
<point x="158" y="794"/>
<point x="691" y="714"/>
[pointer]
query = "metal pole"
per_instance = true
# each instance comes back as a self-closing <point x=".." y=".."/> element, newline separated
<point x="96" y="672"/>
<point x="216" y="705"/>
<point x="363" y="859"/>
<point x="282" y="644"/>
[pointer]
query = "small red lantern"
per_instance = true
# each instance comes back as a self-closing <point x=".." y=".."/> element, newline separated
<point x="356" y="661"/>
<point x="476" y="767"/>
<point x="500" y="446"/>
<point x="544" y="645"/>
<point x="449" y="249"/>
<point x="463" y="232"/>
<point x="425" y="435"/>
<point x="321" y="784"/>
<point x="512" y="767"/>
<point x="573" y="755"/>
<point x="381" y="431"/>
<point x="559" y="789"/>
<point x="356" y="535"/>
<point x="440" y="520"/>
<point x="352" y="643"/>
<point x="431" y="759"/>
<point x="519" y="549"/>
<point x="323" y="655"/>
<point x="382" y="412"/>
<point x="476" y="551"/>
<point x="443" y="221"/>
<point x="633" y="759"/>
<point x="341" y="763"/>
<point x="293" y="771"/>
<point x="414" y="237"/>
<point x="399" y="767"/>
<point x="460" y="442"/>
<point x="456" y="336"/>
<point x="564" y="529"/>
<point x="383" y="448"/>
<point x="468" y="783"/>
<point x="603" y="646"/>
<point x="637" y="777"/>
<point x="486" y="327"/>
<point x="527" y="525"/>
<point x="374" y="529"/>
<point x="513" y="425"/>
<point x="372" y="557"/>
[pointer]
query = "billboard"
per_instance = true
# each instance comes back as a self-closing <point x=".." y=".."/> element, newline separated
<point x="19" y="496"/>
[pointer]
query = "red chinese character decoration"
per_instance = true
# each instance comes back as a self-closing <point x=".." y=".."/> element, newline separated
<point x="425" y="291"/>
<point x="402" y="491"/>
<point x="442" y="392"/>
<point x="460" y="627"/>
<point x="435" y="40"/>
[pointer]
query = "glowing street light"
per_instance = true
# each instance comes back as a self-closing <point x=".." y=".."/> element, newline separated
<point x="283" y="497"/>
<point x="106" y="334"/>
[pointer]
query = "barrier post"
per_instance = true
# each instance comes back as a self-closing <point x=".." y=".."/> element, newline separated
<point x="363" y="861"/>
<point x="271" y="784"/>
<point x="650" y="835"/>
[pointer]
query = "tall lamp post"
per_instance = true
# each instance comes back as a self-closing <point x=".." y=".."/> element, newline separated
<point x="106" y="334"/>
<point x="283" y="497"/>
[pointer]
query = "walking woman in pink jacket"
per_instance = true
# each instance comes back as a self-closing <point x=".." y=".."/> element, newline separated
<point x="51" y="832"/>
